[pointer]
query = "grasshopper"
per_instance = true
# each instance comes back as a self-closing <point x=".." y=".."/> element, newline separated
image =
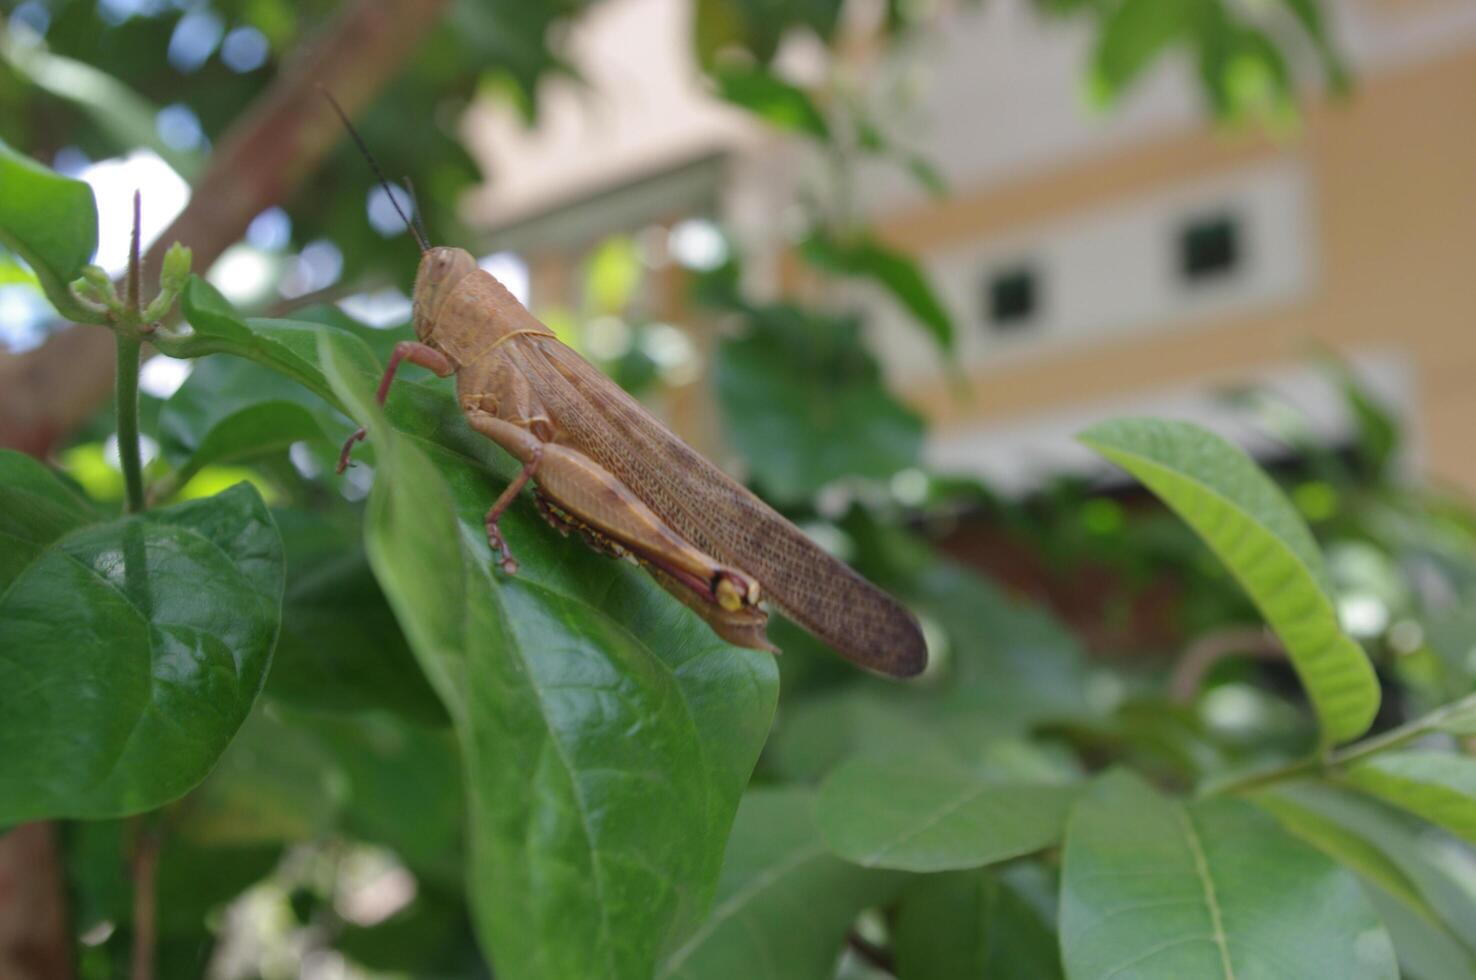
<point x="605" y="467"/>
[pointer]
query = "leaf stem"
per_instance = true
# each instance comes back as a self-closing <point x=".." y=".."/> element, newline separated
<point x="1357" y="752"/>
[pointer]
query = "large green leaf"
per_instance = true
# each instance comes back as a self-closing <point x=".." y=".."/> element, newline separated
<point x="131" y="650"/>
<point x="1255" y="531"/>
<point x="926" y="815"/>
<point x="803" y="401"/>
<point x="784" y="905"/>
<point x="972" y="924"/>
<point x="895" y="272"/>
<point x="606" y="733"/>
<point x="1438" y="786"/>
<point x="287" y="347"/>
<point x="51" y="222"/>
<point x="1153" y="887"/>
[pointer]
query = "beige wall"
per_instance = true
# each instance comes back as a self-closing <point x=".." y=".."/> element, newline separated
<point x="1393" y="178"/>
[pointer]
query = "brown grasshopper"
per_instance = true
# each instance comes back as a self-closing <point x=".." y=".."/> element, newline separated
<point x="606" y="467"/>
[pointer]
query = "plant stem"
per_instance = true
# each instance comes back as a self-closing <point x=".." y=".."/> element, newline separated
<point x="145" y="899"/>
<point x="126" y="384"/>
<point x="1348" y="755"/>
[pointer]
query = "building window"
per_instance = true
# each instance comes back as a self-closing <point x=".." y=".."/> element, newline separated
<point x="1209" y="248"/>
<point x="1013" y="297"/>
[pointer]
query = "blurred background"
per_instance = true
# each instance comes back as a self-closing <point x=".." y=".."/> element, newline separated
<point x="882" y="259"/>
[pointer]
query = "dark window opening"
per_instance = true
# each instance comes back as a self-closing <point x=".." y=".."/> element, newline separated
<point x="1013" y="297"/>
<point x="1209" y="248"/>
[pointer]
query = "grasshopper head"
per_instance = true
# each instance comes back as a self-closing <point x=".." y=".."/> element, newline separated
<point x="440" y="270"/>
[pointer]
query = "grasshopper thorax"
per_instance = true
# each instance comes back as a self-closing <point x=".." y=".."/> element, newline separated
<point x="441" y="270"/>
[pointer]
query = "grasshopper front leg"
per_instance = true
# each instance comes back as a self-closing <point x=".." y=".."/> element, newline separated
<point x="406" y="350"/>
<point x="597" y="499"/>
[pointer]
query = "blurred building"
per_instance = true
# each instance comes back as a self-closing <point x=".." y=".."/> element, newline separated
<point x="1097" y="263"/>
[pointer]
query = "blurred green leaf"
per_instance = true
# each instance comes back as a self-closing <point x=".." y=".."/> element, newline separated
<point x="866" y="258"/>
<point x="1257" y="533"/>
<point x="100" y="857"/>
<point x="230" y="411"/>
<point x="1432" y="932"/>
<point x="613" y="275"/>
<point x="126" y="117"/>
<point x="430" y="938"/>
<point x="783" y="905"/>
<point x="1437" y="786"/>
<point x="591" y="848"/>
<point x="1344" y="846"/>
<point x="803" y="402"/>
<point x="275" y="784"/>
<point x="1206" y="889"/>
<point x="924" y="815"/>
<point x="402" y="788"/>
<point x="51" y="222"/>
<point x="813" y="736"/>
<point x="775" y="101"/>
<point x="130" y="651"/>
<point x="973" y="924"/>
<point x="341" y="649"/>
<point x="1132" y="35"/>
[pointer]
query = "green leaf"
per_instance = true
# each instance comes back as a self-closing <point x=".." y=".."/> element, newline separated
<point x="130" y="651"/>
<point x="866" y="258"/>
<point x="287" y="347"/>
<point x="606" y="734"/>
<point x="803" y="402"/>
<point x="922" y="815"/>
<point x="1158" y="888"/>
<point x="772" y="99"/>
<point x="971" y="924"/>
<point x="51" y="222"/>
<point x="1437" y="786"/>
<point x="341" y="649"/>
<point x="1256" y="532"/>
<point x="784" y="905"/>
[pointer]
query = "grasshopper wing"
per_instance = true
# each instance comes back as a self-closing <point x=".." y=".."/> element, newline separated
<point x="721" y="517"/>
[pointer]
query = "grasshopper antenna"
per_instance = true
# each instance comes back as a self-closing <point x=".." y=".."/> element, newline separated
<point x="416" y="213"/>
<point x="415" y="229"/>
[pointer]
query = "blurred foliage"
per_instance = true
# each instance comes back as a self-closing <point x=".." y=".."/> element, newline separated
<point x="426" y="732"/>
